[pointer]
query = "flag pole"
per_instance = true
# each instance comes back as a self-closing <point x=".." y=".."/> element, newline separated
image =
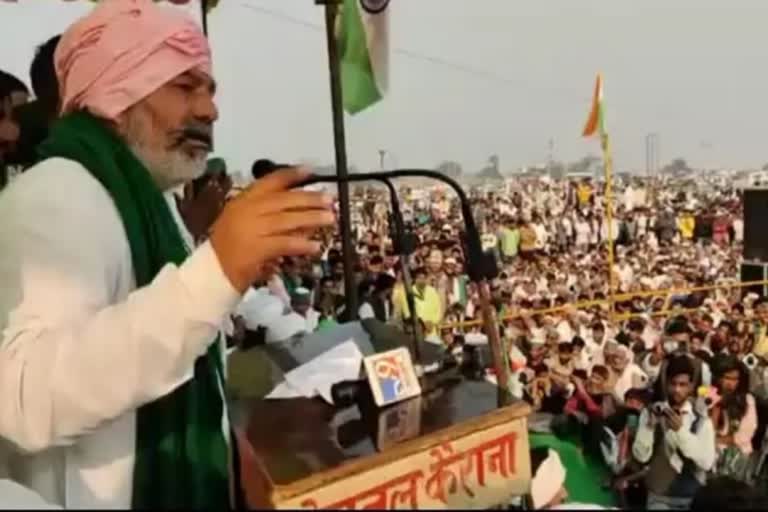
<point x="608" y="170"/>
<point x="204" y="15"/>
<point x="596" y="125"/>
<point x="340" y="146"/>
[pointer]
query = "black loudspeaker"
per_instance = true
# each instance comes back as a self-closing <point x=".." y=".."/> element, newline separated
<point x="754" y="271"/>
<point x="756" y="224"/>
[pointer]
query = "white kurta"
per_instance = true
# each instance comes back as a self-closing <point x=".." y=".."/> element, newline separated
<point x="81" y="349"/>
<point x="15" y="497"/>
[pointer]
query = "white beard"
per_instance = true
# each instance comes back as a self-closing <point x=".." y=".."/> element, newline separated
<point x="169" y="168"/>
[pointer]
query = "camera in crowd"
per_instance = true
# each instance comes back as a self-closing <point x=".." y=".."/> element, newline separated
<point x="750" y="361"/>
<point x="707" y="397"/>
<point x="659" y="408"/>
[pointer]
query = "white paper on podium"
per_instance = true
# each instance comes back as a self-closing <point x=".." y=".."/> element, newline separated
<point x="284" y="390"/>
<point x="316" y="377"/>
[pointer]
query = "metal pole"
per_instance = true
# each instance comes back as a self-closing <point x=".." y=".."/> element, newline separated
<point x="608" y="167"/>
<point x="397" y="228"/>
<point x="204" y="15"/>
<point x="339" y="142"/>
<point x="550" y="156"/>
<point x="405" y="266"/>
<point x="418" y="334"/>
<point x="648" y="156"/>
<point x="491" y="324"/>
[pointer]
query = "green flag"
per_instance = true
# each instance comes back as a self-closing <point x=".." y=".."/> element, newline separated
<point x="364" y="49"/>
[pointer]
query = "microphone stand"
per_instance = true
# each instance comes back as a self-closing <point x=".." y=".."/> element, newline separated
<point x="401" y="248"/>
<point x="479" y="268"/>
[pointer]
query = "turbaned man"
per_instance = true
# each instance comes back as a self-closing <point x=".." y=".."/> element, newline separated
<point x="111" y="367"/>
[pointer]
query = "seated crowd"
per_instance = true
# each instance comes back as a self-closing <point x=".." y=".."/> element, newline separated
<point x="666" y="406"/>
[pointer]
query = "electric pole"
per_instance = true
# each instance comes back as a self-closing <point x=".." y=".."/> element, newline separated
<point x="550" y="156"/>
<point x="652" y="154"/>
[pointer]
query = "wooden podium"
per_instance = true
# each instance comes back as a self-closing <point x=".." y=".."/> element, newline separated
<point x="450" y="448"/>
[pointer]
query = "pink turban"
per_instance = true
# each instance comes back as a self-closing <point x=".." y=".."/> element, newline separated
<point x="123" y="51"/>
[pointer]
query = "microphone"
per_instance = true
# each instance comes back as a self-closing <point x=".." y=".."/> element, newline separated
<point x="401" y="246"/>
<point x="398" y="423"/>
<point x="263" y="167"/>
<point x="480" y="267"/>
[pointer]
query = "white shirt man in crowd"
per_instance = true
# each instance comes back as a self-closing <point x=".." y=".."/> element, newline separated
<point x="677" y="442"/>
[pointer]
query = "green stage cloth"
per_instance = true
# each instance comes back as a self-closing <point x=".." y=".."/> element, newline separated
<point x="584" y="475"/>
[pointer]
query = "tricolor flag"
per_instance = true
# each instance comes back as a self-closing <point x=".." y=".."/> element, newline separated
<point x="364" y="50"/>
<point x="596" y="122"/>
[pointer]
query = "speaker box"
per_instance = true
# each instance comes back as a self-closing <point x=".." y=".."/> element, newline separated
<point x="754" y="271"/>
<point x="755" y="221"/>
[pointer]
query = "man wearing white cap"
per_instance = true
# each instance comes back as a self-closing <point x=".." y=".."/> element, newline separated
<point x="260" y="308"/>
<point x="548" y="490"/>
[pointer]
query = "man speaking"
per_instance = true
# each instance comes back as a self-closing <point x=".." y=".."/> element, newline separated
<point x="111" y="366"/>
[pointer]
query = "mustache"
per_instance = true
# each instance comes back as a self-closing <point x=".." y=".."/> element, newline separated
<point x="196" y="132"/>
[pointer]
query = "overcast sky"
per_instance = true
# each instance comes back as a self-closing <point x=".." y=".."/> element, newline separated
<point x="470" y="78"/>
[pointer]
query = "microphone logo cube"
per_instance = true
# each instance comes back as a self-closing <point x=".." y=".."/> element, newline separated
<point x="392" y="376"/>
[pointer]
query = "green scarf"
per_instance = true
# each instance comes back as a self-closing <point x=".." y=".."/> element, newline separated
<point x="182" y="457"/>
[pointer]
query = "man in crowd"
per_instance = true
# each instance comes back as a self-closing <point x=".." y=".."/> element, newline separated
<point x="110" y="358"/>
<point x="13" y="93"/>
<point x="676" y="441"/>
<point x="378" y="305"/>
<point x="427" y="302"/>
<point x="13" y="89"/>
<point x="35" y="117"/>
<point x="9" y="135"/>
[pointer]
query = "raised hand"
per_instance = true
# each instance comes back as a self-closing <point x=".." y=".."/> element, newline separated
<point x="267" y="221"/>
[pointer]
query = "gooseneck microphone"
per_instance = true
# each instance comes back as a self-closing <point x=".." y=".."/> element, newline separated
<point x="480" y="267"/>
<point x="403" y="250"/>
<point x="401" y="246"/>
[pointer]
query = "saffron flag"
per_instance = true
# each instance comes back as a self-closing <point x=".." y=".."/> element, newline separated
<point x="596" y="122"/>
<point x="364" y="49"/>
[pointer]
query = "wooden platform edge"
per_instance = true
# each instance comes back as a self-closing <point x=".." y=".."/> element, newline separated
<point x="516" y="411"/>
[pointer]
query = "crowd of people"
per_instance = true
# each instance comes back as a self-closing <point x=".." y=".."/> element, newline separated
<point x="657" y="366"/>
<point x="666" y="384"/>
